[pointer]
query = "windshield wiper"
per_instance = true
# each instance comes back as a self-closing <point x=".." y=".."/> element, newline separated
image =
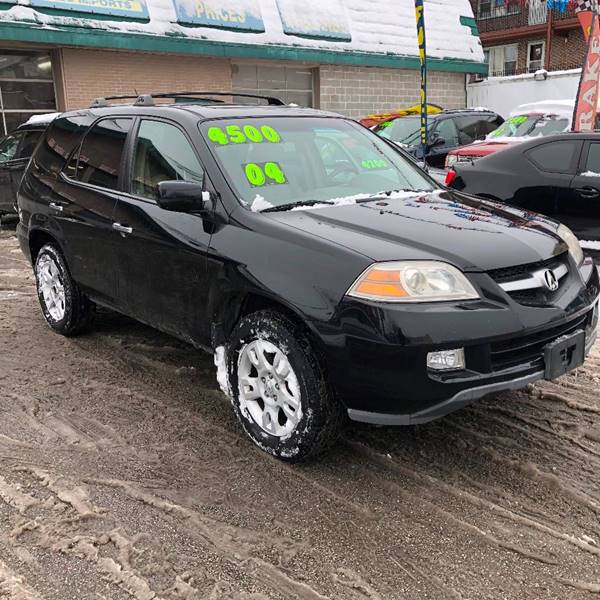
<point x="291" y="205"/>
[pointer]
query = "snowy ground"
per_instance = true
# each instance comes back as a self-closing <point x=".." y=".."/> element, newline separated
<point x="123" y="474"/>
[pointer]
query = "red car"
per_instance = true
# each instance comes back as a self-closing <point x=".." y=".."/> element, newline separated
<point x="516" y="129"/>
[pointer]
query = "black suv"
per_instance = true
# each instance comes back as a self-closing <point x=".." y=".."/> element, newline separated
<point x="328" y="273"/>
<point x="16" y="149"/>
<point x="446" y="130"/>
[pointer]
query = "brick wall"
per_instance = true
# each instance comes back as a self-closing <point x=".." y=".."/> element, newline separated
<point x="358" y="91"/>
<point x="88" y="74"/>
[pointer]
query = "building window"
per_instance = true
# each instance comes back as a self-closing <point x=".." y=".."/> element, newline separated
<point x="26" y="86"/>
<point x="535" y="56"/>
<point x="291" y="84"/>
<point x="489" y="9"/>
<point x="502" y="60"/>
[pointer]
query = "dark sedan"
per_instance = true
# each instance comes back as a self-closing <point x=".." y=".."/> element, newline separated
<point x="558" y="176"/>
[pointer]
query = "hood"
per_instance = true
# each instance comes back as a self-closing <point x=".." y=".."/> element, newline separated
<point x="473" y="234"/>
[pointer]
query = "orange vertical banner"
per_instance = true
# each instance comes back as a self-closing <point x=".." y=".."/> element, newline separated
<point x="586" y="106"/>
<point x="585" y="19"/>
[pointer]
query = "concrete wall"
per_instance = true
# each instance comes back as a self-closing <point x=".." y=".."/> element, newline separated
<point x="358" y="91"/>
<point x="89" y="74"/>
<point x="504" y="94"/>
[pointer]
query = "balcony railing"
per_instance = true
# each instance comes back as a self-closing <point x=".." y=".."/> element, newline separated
<point x="511" y="15"/>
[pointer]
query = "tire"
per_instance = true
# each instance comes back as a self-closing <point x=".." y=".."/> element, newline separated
<point x="66" y="310"/>
<point x="319" y="415"/>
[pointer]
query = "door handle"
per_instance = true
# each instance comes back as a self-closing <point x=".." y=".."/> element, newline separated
<point x="122" y="228"/>
<point x="588" y="192"/>
<point x="56" y="207"/>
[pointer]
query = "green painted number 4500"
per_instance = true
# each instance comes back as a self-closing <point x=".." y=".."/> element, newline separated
<point x="242" y="134"/>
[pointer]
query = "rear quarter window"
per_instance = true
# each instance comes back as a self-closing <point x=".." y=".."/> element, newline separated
<point x="61" y="138"/>
<point x="554" y="157"/>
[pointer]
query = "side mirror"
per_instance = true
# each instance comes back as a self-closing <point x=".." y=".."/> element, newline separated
<point x="183" y="196"/>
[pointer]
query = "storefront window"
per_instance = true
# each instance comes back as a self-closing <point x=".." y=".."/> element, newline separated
<point x="291" y="84"/>
<point x="26" y="86"/>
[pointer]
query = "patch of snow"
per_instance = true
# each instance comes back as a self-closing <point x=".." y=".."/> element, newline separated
<point x="259" y="203"/>
<point x="376" y="27"/>
<point x="222" y="375"/>
<point x="589" y="174"/>
<point x="45" y="118"/>
<point x="590" y="244"/>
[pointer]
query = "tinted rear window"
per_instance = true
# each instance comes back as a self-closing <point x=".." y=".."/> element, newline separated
<point x="63" y="135"/>
<point x="555" y="157"/>
<point x="100" y="155"/>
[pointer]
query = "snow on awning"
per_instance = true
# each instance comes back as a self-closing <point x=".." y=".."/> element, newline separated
<point x="330" y="30"/>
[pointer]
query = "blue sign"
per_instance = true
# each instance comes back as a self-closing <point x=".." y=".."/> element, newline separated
<point x="135" y="9"/>
<point x="223" y="14"/>
<point x="329" y="23"/>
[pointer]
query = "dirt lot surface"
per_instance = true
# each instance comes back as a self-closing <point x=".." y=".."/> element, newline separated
<point x="123" y="474"/>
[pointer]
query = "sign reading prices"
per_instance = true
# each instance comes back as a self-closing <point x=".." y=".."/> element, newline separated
<point x="328" y="22"/>
<point x="223" y="14"/>
<point x="135" y="9"/>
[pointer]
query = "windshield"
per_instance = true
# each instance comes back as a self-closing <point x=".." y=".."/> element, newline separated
<point x="530" y="126"/>
<point x="403" y="130"/>
<point x="277" y="161"/>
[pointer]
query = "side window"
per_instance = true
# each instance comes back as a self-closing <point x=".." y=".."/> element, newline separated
<point x="469" y="128"/>
<point x="162" y="153"/>
<point x="101" y="152"/>
<point x="491" y="124"/>
<point x="446" y="129"/>
<point x="555" y="157"/>
<point x="592" y="166"/>
<point x="30" y="140"/>
<point x="8" y="147"/>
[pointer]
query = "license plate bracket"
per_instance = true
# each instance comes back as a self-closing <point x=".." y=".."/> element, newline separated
<point x="564" y="354"/>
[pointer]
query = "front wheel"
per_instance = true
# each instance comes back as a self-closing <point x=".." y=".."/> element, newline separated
<point x="278" y="388"/>
<point x="66" y="310"/>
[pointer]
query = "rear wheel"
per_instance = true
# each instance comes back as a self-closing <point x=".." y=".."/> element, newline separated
<point x="66" y="310"/>
<point x="278" y="388"/>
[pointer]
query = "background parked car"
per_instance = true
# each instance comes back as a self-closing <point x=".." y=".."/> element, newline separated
<point x="558" y="176"/>
<point x="447" y="130"/>
<point x="16" y="149"/>
<point x="536" y="119"/>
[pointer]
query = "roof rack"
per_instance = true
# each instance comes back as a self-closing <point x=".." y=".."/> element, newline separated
<point x="148" y="99"/>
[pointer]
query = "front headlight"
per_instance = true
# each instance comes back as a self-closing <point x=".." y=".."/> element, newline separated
<point x="572" y="242"/>
<point x="412" y="281"/>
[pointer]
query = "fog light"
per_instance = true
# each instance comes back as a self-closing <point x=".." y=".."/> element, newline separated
<point x="446" y="360"/>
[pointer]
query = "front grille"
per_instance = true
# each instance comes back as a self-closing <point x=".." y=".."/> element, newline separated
<point x="528" y="348"/>
<point x="537" y="296"/>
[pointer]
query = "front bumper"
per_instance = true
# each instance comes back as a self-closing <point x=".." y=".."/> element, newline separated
<point x="386" y="381"/>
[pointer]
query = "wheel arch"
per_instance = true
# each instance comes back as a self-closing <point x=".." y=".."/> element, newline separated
<point x="38" y="238"/>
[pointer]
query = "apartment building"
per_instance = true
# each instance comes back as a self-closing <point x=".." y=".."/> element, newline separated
<point x="519" y="37"/>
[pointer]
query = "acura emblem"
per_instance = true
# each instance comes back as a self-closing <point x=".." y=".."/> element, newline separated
<point x="550" y="280"/>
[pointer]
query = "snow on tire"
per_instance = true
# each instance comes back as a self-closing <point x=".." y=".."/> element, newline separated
<point x="278" y="389"/>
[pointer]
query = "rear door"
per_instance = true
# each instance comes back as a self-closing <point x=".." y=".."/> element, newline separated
<point x="88" y="192"/>
<point x="161" y="255"/>
<point x="582" y="209"/>
<point x="546" y="186"/>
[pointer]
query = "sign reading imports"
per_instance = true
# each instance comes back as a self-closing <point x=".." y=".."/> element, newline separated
<point x="329" y="22"/>
<point x="586" y="106"/>
<point x="223" y="14"/>
<point x="135" y="9"/>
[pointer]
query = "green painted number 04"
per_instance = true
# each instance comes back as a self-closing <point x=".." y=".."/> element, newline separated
<point x="268" y="173"/>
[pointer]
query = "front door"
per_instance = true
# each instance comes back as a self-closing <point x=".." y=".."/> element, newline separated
<point x="161" y="255"/>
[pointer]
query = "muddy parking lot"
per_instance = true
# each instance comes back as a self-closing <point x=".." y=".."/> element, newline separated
<point x="123" y="474"/>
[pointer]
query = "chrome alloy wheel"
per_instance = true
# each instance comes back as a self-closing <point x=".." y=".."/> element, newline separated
<point x="268" y="388"/>
<point x="51" y="287"/>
